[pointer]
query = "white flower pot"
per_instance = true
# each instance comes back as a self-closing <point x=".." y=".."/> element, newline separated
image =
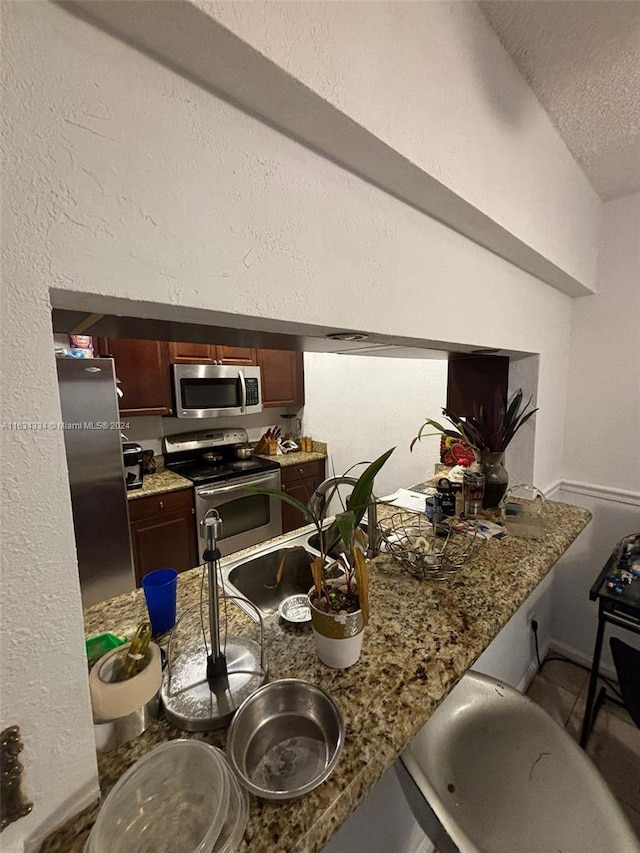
<point x="338" y="638"/>
<point x="338" y="654"/>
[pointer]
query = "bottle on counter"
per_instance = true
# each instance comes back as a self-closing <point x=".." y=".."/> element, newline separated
<point x="136" y="656"/>
<point x="473" y="493"/>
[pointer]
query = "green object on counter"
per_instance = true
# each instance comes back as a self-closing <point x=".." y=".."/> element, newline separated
<point x="136" y="657"/>
<point x="101" y="644"/>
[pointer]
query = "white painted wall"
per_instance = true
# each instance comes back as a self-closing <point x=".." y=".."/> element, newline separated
<point x="132" y="188"/>
<point x="362" y="406"/>
<point x="473" y="123"/>
<point x="602" y="452"/>
<point x="603" y="394"/>
<point x="511" y="657"/>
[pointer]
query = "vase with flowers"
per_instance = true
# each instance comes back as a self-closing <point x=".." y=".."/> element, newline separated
<point x="487" y="431"/>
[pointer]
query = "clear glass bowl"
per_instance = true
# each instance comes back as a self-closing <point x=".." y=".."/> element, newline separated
<point x="174" y="799"/>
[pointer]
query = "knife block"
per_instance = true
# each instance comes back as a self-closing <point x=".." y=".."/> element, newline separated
<point x="266" y="447"/>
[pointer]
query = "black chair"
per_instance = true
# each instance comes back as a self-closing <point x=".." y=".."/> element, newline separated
<point x="627" y="663"/>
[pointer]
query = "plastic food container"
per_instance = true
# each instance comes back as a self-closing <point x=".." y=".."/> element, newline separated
<point x="175" y="799"/>
<point x="523" y="511"/>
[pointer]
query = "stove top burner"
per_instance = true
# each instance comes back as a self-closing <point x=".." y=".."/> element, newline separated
<point x="201" y="472"/>
<point x="209" y="456"/>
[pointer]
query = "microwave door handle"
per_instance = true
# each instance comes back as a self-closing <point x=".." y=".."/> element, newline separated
<point x="243" y="386"/>
<point x="239" y="484"/>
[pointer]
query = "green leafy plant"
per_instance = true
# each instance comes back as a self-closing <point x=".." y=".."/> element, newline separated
<point x="491" y="427"/>
<point x="353" y="592"/>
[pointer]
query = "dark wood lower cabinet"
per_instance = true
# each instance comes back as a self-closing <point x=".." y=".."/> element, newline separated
<point x="299" y="481"/>
<point x="163" y="532"/>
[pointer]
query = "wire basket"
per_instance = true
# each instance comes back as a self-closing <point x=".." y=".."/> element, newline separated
<point x="412" y="541"/>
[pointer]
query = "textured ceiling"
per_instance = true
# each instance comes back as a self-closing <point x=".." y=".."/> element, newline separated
<point x="582" y="61"/>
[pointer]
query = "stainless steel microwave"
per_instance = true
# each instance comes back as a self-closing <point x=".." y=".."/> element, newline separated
<point x="215" y="391"/>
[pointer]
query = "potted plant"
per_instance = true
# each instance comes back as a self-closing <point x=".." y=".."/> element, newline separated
<point x="339" y="597"/>
<point x="488" y="431"/>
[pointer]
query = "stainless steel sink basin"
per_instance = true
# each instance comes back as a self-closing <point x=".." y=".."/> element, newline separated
<point x="255" y="578"/>
<point x="334" y="552"/>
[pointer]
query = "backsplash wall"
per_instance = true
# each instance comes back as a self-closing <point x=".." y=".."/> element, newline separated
<point x="149" y="431"/>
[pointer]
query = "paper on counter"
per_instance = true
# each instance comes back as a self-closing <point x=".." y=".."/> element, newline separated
<point x="406" y="499"/>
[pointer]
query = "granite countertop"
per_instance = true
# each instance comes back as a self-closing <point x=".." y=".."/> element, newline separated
<point x="168" y="481"/>
<point x="299" y="457"/>
<point x="422" y="637"/>
<point x="159" y="483"/>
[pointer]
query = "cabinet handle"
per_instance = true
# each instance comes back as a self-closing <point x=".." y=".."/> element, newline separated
<point x="284" y="488"/>
<point x="300" y="470"/>
<point x="161" y="505"/>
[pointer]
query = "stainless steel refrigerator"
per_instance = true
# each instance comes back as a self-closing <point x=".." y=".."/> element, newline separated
<point x="96" y="477"/>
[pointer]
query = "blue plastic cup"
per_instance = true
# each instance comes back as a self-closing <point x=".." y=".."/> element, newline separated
<point x="160" y="593"/>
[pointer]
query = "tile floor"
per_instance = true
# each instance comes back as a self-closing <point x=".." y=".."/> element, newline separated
<point x="614" y="743"/>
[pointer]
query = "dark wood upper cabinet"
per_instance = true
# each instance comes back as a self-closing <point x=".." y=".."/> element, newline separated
<point x="282" y="377"/>
<point x="473" y="380"/>
<point x="236" y="355"/>
<point x="184" y="353"/>
<point x="142" y="368"/>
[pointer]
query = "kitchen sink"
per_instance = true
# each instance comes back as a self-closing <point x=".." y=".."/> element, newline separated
<point x="255" y="578"/>
<point x="335" y="551"/>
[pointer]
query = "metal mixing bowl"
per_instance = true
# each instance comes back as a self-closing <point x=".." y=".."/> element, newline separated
<point x="285" y="739"/>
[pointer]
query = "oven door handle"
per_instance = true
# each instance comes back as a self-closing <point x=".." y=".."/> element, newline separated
<point x="243" y="386"/>
<point x="239" y="484"/>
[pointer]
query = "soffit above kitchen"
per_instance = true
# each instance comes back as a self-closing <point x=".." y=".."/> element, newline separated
<point x="192" y="43"/>
<point x="582" y="61"/>
<point x="299" y="338"/>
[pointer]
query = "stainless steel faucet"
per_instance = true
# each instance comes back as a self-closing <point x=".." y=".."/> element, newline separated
<point x="319" y="498"/>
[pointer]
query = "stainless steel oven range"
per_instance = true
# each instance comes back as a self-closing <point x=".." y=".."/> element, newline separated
<point x="226" y="483"/>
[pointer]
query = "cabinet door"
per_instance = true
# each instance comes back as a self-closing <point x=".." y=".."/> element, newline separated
<point x="235" y="355"/>
<point x="164" y="542"/>
<point x="142" y="368"/>
<point x="292" y="517"/>
<point x="300" y="481"/>
<point x="282" y="377"/>
<point x="474" y="380"/>
<point x="184" y="353"/>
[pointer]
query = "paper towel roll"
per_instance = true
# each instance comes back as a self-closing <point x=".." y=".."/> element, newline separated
<point x="111" y="701"/>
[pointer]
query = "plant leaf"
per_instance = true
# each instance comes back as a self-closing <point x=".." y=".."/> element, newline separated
<point x="361" y="495"/>
<point x="280" y="569"/>
<point x="362" y="580"/>
<point x="514" y="405"/>
<point x="346" y="523"/>
<point x="317" y="572"/>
